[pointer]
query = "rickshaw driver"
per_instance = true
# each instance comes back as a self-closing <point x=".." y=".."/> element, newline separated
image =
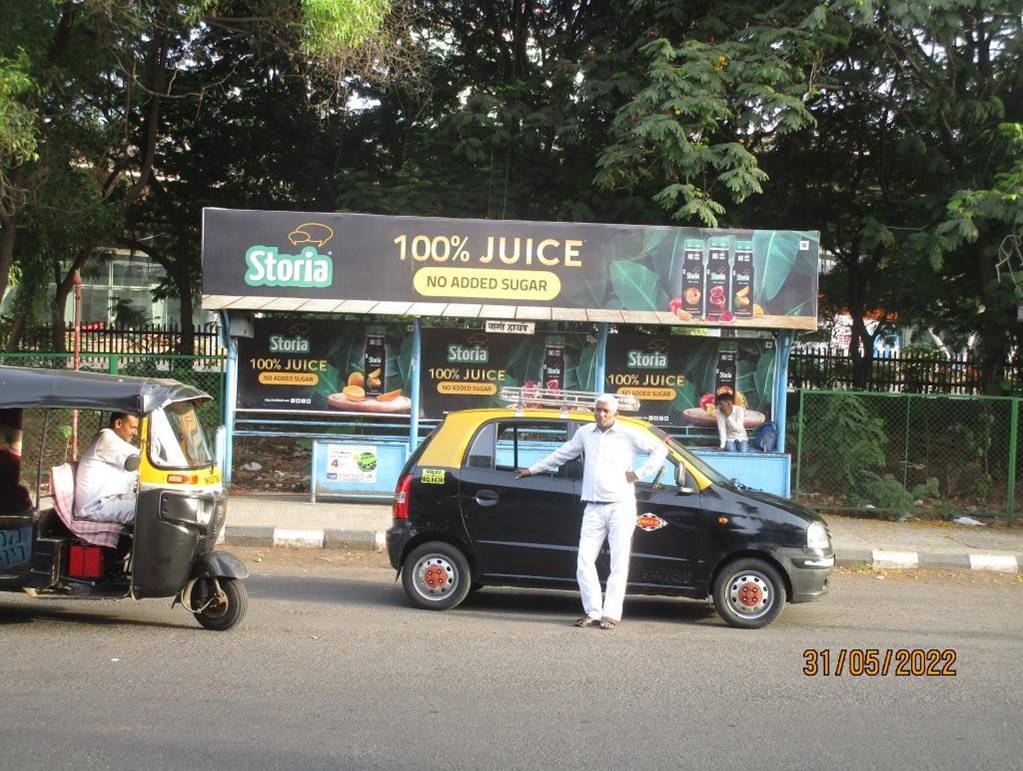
<point x="104" y="490"/>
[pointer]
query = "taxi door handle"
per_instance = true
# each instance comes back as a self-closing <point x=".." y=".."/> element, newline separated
<point x="486" y="497"/>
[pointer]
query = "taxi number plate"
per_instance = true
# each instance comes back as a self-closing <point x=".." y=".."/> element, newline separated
<point x="433" y="476"/>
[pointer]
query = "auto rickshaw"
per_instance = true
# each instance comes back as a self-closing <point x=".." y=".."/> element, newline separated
<point x="45" y="550"/>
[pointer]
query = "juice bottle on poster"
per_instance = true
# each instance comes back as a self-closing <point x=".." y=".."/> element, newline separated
<point x="725" y="372"/>
<point x="552" y="372"/>
<point x="718" y="275"/>
<point x="742" y="279"/>
<point x="694" y="273"/>
<point x="375" y="361"/>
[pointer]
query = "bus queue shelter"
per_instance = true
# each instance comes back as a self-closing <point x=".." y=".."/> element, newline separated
<point x="362" y="331"/>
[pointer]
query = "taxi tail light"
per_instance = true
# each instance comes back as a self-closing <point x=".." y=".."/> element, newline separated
<point x="401" y="495"/>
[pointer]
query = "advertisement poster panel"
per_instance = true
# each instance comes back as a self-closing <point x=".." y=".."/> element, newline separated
<point x="676" y="377"/>
<point x="695" y="276"/>
<point x="325" y="364"/>
<point x="466" y="368"/>
<point x="352" y="463"/>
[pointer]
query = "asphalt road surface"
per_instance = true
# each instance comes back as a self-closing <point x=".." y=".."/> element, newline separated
<point x="332" y="669"/>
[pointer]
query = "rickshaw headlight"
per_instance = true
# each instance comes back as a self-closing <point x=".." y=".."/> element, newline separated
<point x="205" y="513"/>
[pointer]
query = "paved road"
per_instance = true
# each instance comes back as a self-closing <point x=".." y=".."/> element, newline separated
<point x="332" y="670"/>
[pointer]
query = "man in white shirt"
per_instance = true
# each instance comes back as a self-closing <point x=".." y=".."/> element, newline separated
<point x="104" y="490"/>
<point x="609" y="451"/>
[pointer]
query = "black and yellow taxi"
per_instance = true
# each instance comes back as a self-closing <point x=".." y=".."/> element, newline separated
<point x="461" y="520"/>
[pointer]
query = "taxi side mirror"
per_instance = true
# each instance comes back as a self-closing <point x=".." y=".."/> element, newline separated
<point x="682" y="480"/>
<point x="131" y="463"/>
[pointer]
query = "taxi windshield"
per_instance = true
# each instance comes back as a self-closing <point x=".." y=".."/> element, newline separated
<point x="177" y="438"/>
<point x="698" y="463"/>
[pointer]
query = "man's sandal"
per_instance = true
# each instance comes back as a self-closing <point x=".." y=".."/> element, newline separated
<point x="608" y="623"/>
<point x="587" y="621"/>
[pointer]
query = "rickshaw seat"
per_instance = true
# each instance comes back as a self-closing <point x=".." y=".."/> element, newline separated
<point x="62" y="486"/>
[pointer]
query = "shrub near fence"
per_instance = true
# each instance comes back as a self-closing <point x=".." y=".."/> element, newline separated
<point x="905" y="453"/>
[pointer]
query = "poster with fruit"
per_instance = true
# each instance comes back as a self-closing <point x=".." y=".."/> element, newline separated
<point x="676" y="377"/>
<point x="325" y="364"/>
<point x="466" y="368"/>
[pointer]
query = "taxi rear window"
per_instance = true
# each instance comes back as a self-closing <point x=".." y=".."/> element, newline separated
<point x="509" y="445"/>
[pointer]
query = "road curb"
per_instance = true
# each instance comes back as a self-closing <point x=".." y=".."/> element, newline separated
<point x="268" y="537"/>
<point x="906" y="560"/>
<point x="374" y="540"/>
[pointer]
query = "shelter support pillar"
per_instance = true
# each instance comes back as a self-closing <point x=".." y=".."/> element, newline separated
<point x="230" y="392"/>
<point x="415" y="374"/>
<point x="598" y="386"/>
<point x="786" y="338"/>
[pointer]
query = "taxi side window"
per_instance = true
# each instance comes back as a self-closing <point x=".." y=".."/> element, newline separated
<point x="507" y="446"/>
<point x="667" y="471"/>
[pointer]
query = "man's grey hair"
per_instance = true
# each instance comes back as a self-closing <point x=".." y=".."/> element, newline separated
<point x="609" y="399"/>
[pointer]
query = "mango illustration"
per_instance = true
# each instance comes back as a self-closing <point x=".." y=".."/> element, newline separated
<point x="374" y="374"/>
<point x="390" y="396"/>
<point x="757" y="310"/>
<point x="356" y="379"/>
<point x="354" y="393"/>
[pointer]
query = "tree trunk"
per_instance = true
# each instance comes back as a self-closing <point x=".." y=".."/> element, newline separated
<point x="7" y="238"/>
<point x="187" y="340"/>
<point x="18" y="327"/>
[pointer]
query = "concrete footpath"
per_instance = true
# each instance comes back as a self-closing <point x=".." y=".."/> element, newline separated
<point x="291" y="520"/>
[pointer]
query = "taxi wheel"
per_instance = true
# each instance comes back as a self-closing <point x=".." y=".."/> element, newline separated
<point x="221" y="615"/>
<point x="749" y="593"/>
<point x="436" y="576"/>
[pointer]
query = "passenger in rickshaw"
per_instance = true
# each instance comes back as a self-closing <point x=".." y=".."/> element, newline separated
<point x="104" y="490"/>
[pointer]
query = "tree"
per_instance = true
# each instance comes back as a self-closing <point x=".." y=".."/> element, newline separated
<point x="84" y="85"/>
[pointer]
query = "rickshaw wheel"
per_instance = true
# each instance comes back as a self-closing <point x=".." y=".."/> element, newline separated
<point x="222" y="614"/>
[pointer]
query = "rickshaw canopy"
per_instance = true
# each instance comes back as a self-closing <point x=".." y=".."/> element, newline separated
<point x="59" y="388"/>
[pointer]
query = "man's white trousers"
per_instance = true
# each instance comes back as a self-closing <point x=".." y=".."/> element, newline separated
<point x="616" y="523"/>
<point x="112" y="508"/>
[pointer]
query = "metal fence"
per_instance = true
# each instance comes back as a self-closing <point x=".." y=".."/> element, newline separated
<point x="205" y="372"/>
<point x="144" y="339"/>
<point x="895" y="371"/>
<point x="905" y="453"/>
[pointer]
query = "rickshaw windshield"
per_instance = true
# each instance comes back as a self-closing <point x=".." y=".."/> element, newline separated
<point x="177" y="439"/>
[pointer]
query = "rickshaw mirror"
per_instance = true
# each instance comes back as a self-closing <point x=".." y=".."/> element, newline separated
<point x="131" y="463"/>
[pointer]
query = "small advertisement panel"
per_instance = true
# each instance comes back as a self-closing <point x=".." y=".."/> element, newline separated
<point x="317" y="364"/>
<point x="352" y="463"/>
<point x="466" y="368"/>
<point x="676" y="377"/>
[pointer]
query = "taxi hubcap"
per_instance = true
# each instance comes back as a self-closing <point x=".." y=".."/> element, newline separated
<point x="435" y="577"/>
<point x="749" y="594"/>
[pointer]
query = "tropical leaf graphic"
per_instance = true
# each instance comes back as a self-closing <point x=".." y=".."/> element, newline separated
<point x="637" y="287"/>
<point x="586" y="369"/>
<point x="774" y="253"/>
<point x="763" y="379"/>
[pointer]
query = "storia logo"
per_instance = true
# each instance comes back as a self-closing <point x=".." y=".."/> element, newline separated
<point x="285" y="344"/>
<point x="267" y="267"/>
<point x="460" y="354"/>
<point x="654" y="357"/>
